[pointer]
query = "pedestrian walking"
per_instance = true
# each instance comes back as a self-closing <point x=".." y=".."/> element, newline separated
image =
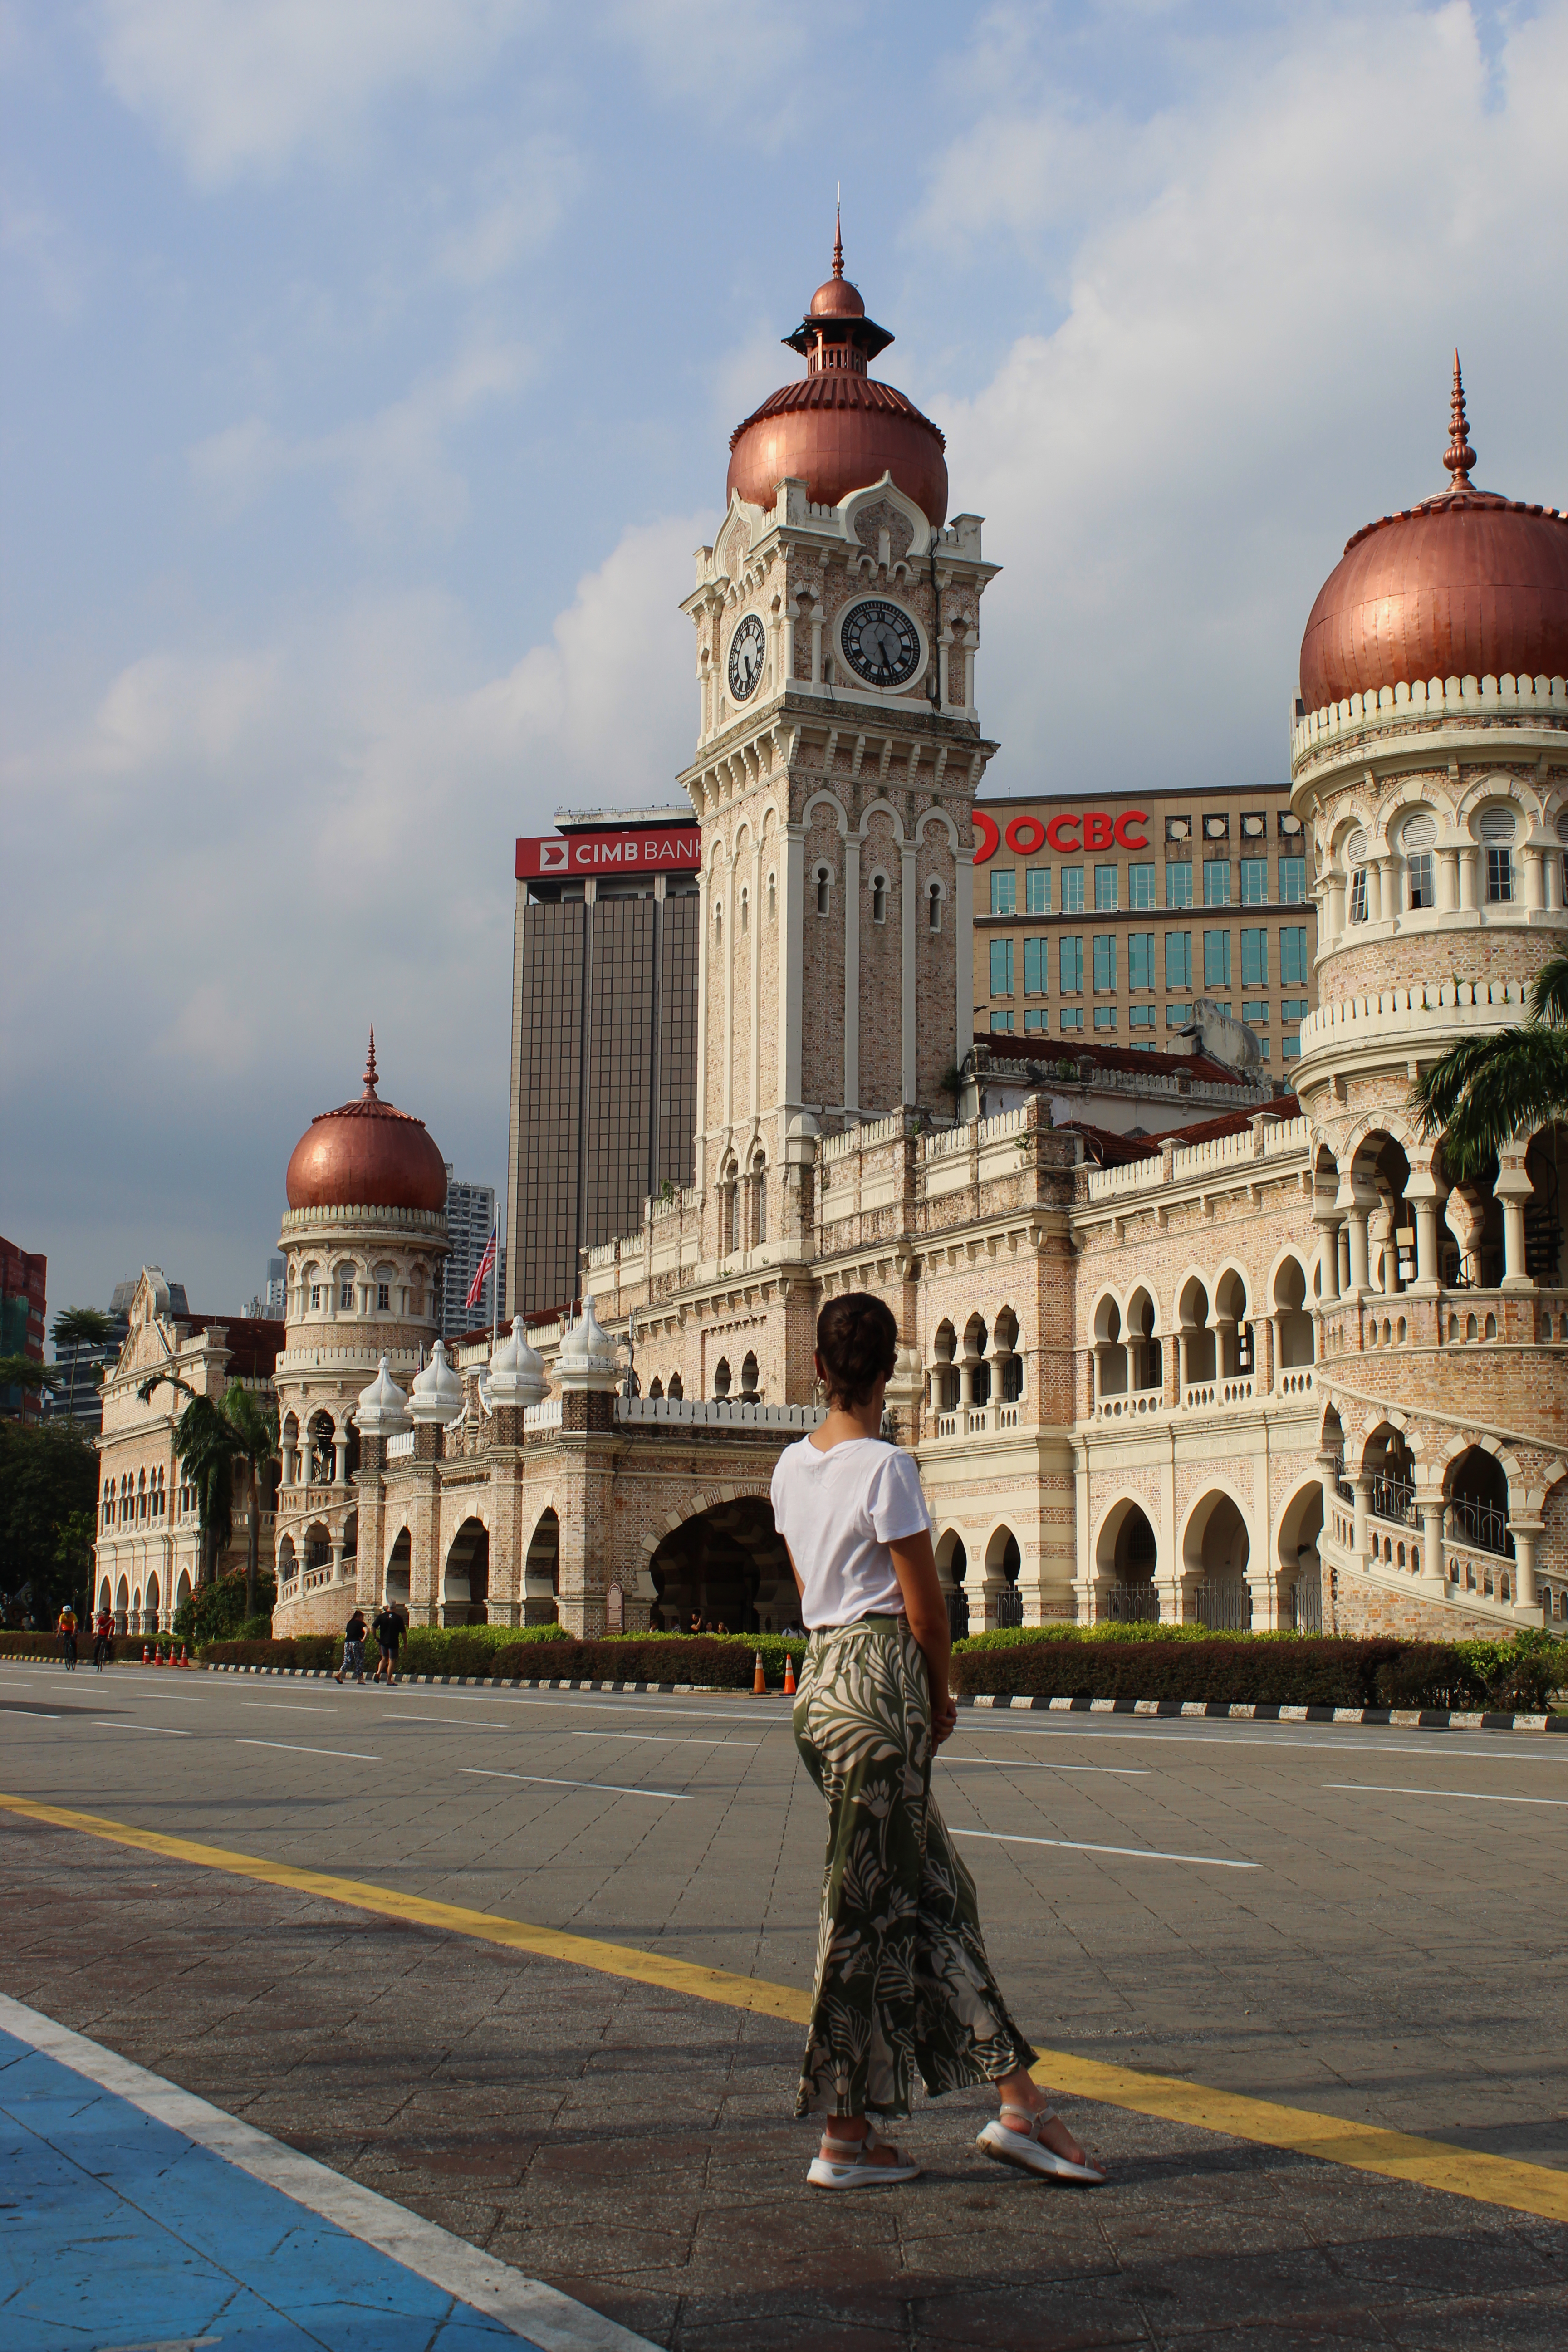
<point x="65" y="1629"/>
<point x="902" y="1981"/>
<point x="353" y="1649"/>
<point x="387" y="1627"/>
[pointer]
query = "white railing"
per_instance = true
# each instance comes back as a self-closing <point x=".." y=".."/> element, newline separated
<point x="536" y="1418"/>
<point x="718" y="1413"/>
<point x="1294" y="1383"/>
<point x="947" y="1425"/>
<point x="1200" y="1392"/>
<point x="1426" y="698"/>
<point x="976" y="1134"/>
<point x="1128" y="1403"/>
<point x="1461" y="1000"/>
<point x="401" y="1447"/>
<point x="863" y="1138"/>
<point x="1236" y="1391"/>
<point x="1281" y="1137"/>
<point x="1220" y="1151"/>
<point x="1129" y="1179"/>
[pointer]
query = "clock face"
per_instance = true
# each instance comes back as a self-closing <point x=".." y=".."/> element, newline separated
<point x="881" y="643"/>
<point x="747" y="648"/>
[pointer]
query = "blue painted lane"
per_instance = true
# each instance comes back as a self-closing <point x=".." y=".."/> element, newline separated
<point x="117" y="2231"/>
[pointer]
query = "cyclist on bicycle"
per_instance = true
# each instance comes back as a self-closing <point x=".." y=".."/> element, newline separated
<point x="65" y="1629"/>
<point x="103" y="1644"/>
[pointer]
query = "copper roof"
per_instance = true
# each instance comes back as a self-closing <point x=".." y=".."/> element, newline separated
<point x="366" y="1154"/>
<point x="1465" y="585"/>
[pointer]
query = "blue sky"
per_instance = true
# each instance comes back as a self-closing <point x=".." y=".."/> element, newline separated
<point x="370" y="365"/>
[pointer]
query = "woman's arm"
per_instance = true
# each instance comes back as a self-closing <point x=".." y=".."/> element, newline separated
<point x="914" y="1565"/>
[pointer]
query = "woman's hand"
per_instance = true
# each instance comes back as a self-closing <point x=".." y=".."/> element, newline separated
<point x="914" y="1565"/>
<point x="943" y="1719"/>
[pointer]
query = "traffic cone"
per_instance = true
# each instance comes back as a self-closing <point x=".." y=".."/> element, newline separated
<point x="185" y="1656"/>
<point x="759" y="1680"/>
<point x="789" y="1676"/>
<point x="145" y="1659"/>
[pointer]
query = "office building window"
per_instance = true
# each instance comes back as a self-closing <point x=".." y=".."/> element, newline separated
<point x="1263" y="1049"/>
<point x="1140" y="1016"/>
<point x="1216" y="881"/>
<point x="1072" y="1016"/>
<point x="1001" y="1023"/>
<point x="1104" y="960"/>
<point x="1105" y="1016"/>
<point x="1140" y="887"/>
<point x="1216" y="959"/>
<point x="1069" y="967"/>
<point x="1254" y="881"/>
<point x="1038" y="890"/>
<point x="1254" y="958"/>
<point x="1255" y="1013"/>
<point x="1290" y="1049"/>
<point x="1004" y="892"/>
<point x="1001" y="966"/>
<point x="1179" y="883"/>
<point x="1177" y="1016"/>
<point x="1179" y="960"/>
<point x="1072" y="890"/>
<point x="1292" y="881"/>
<point x="1293" y="954"/>
<point x="1292" y="1008"/>
<point x="1036" y="981"/>
<point x="1037" y="1020"/>
<point x="1105" y="889"/>
<point x="1140" y="958"/>
<point x="1421" y="867"/>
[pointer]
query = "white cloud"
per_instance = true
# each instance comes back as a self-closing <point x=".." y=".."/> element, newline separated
<point x="516" y="204"/>
<point x="1253" y="363"/>
<point x="240" y="85"/>
<point x="393" y="466"/>
<point x="726" y="51"/>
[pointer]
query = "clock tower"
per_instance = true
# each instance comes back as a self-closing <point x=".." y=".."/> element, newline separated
<point x="839" y="754"/>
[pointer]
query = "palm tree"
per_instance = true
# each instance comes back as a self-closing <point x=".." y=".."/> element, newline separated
<point x="76" y="1327"/>
<point x="254" y="1421"/>
<point x="1485" y="1090"/>
<point x="207" y="1444"/>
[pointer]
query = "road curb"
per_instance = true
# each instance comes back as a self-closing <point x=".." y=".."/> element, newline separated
<point x="1401" y="1718"/>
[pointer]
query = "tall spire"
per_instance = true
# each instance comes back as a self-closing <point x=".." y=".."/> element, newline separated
<point x="370" y="1092"/>
<point x="1459" y="457"/>
<point x="838" y="234"/>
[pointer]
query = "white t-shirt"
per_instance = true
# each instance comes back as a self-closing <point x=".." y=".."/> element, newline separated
<point x="838" y="1511"/>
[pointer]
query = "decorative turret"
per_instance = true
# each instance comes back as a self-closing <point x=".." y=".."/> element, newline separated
<point x="383" y="1408"/>
<point x="517" y="1376"/>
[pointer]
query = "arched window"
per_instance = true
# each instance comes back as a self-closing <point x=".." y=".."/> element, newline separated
<point x="773" y="896"/>
<point x="1356" y="866"/>
<point x="934" y="904"/>
<point x="718" y="924"/>
<point x="823" y="890"/>
<point x="749" y="1377"/>
<point x="729" y="1205"/>
<point x="878" y="897"/>
<point x="722" y="1376"/>
<point x="745" y="912"/>
<point x="1417" y="840"/>
<point x="656" y="1387"/>
<point x="759" y="1199"/>
<point x="1496" y="831"/>
<point x="676" y="1386"/>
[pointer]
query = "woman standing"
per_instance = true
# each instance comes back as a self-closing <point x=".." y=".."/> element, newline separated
<point x="902" y="1981"/>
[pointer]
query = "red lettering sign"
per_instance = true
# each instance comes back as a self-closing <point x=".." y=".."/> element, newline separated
<point x="1068" y="835"/>
<point x="674" y="852"/>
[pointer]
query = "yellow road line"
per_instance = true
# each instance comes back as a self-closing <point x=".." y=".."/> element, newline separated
<point x="1327" y="2139"/>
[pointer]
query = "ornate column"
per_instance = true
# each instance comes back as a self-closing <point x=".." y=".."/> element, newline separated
<point x="340" y="1458"/>
<point x="1467" y="876"/>
<point x="1421" y="1193"/>
<point x="1361" y="1486"/>
<point x="1181" y="1395"/>
<point x="1526" y="1591"/>
<point x="1429" y="1509"/>
<point x="1266" y="1331"/>
<point x="1513" y="1188"/>
<point x="1327" y="1220"/>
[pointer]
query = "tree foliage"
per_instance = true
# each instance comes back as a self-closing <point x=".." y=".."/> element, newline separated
<point x="1485" y="1090"/>
<point x="49" y="1485"/>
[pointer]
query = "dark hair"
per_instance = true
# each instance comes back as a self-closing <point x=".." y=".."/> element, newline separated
<point x="858" y="1339"/>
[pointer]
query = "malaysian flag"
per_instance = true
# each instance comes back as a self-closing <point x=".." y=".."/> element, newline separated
<point x="487" y="1268"/>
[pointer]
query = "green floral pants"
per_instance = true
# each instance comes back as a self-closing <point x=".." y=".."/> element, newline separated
<point x="902" y="1979"/>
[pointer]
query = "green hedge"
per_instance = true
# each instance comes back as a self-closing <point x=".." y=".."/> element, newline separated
<point x="533" y="1653"/>
<point x="1291" y="1670"/>
<point x="1012" y="1637"/>
<point x="125" y="1646"/>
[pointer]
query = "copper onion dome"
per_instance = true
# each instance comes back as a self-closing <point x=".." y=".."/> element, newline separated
<point x="1467" y="584"/>
<point x="835" y="428"/>
<point x="365" y="1154"/>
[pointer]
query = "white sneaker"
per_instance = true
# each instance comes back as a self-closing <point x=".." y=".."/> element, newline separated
<point x="1026" y="2149"/>
<point x="855" y="2172"/>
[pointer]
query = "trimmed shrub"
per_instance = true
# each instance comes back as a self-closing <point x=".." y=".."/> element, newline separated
<point x="303" y="1650"/>
<point x="671" y="1654"/>
<point x="1221" y="1669"/>
<point x="215" y="1612"/>
<point x="510" y="1651"/>
<point x="1431" y="1674"/>
<point x="124" y="1646"/>
<point x="1012" y="1637"/>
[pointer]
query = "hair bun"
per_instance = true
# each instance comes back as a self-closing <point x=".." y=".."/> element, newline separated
<point x="857" y="1341"/>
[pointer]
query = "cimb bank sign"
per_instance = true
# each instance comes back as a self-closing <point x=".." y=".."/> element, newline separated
<point x="670" y="852"/>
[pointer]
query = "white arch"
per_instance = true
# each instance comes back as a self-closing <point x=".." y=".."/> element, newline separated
<point x="825" y="799"/>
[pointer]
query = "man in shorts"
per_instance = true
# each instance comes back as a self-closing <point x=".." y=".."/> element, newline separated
<point x="388" y="1631"/>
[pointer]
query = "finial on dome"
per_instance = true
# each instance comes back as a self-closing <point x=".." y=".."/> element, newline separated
<point x="370" y="1092"/>
<point x="838" y="233"/>
<point x="1459" y="457"/>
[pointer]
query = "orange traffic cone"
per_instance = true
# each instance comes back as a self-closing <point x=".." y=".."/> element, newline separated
<point x="185" y="1656"/>
<point x="759" y="1680"/>
<point x="789" y="1676"/>
<point x="146" y="1660"/>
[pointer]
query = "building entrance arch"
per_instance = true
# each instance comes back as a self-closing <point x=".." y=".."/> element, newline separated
<point x="399" y="1562"/>
<point x="726" y="1566"/>
<point x="466" y="1578"/>
<point x="542" y="1572"/>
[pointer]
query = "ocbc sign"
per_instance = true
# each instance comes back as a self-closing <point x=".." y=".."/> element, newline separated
<point x="1066" y="834"/>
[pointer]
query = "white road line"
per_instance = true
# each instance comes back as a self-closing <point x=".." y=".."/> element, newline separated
<point x="1543" y="1751"/>
<point x="669" y="1739"/>
<point x="548" y="1781"/>
<point x="357" y="1754"/>
<point x="606" y="1703"/>
<point x="32" y="1714"/>
<point x="169" y="1698"/>
<point x="475" y="1722"/>
<point x="1027" y="1764"/>
<point x="1080" y="1845"/>
<point x="1460" y="1796"/>
<point x="284" y="1707"/>
<point x="161" y="1730"/>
